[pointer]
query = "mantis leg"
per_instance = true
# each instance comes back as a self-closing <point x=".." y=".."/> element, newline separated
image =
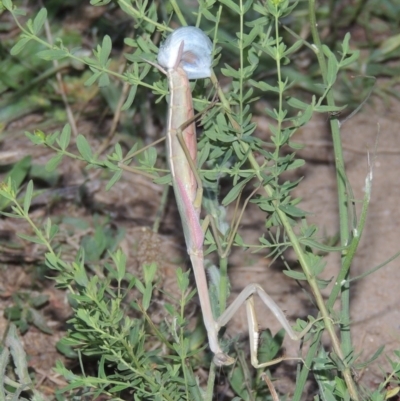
<point x="246" y="296"/>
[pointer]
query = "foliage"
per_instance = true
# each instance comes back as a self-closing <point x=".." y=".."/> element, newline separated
<point x="134" y="356"/>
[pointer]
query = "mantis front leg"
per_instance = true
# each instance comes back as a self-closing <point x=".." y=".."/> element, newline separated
<point x="186" y="54"/>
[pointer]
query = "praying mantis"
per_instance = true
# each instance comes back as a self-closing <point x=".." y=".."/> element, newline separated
<point x="187" y="54"/>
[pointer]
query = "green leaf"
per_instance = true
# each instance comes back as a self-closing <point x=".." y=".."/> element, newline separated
<point x="295" y="164"/>
<point x="130" y="42"/>
<point x="119" y="387"/>
<point x="65" y="137"/>
<point x="29" y="238"/>
<point x="182" y="279"/>
<point x="297" y="104"/>
<point x="329" y="109"/>
<point x="264" y="86"/>
<point x="233" y="6"/>
<point x="345" y="44"/>
<point x="234" y="192"/>
<point x="115" y="178"/>
<point x="105" y="50"/>
<point x="53" y="54"/>
<point x="370" y="360"/>
<point x="148" y="292"/>
<point x="39" y="20"/>
<point x="18" y="354"/>
<point x="104" y="80"/>
<point x="270" y="345"/>
<point x="19" y="45"/>
<point x="296" y="46"/>
<point x="296" y="275"/>
<point x="39" y="321"/>
<point x="66" y="350"/>
<point x="84" y="148"/>
<point x="99" y="3"/>
<point x="28" y="197"/>
<point x="390" y="44"/>
<point x="230" y="72"/>
<point x="322" y="247"/>
<point x="292" y="211"/>
<point x="130" y="98"/>
<point x="166" y="179"/>
<point x="53" y="163"/>
<point x="7" y="4"/>
<point x="350" y="60"/>
<point x="17" y="175"/>
<point x="333" y="65"/>
<point x="91" y="80"/>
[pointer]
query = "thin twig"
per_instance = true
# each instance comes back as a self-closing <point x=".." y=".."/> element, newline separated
<point x="71" y="118"/>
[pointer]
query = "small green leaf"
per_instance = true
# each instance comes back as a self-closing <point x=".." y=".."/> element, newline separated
<point x="292" y="211"/>
<point x="333" y="65"/>
<point x="148" y="292"/>
<point x="182" y="279"/>
<point x="16" y="175"/>
<point x="99" y="3"/>
<point x="230" y="72"/>
<point x="345" y="44"/>
<point x="80" y="275"/>
<point x="28" y="197"/>
<point x="234" y="192"/>
<point x="39" y="20"/>
<point x="115" y="178"/>
<point x="91" y="80"/>
<point x="84" y="148"/>
<point x="130" y="42"/>
<point x="233" y="6"/>
<point x="322" y="247"/>
<point x="296" y="46"/>
<point x="39" y="321"/>
<point x="297" y="104"/>
<point x="29" y="238"/>
<point x="7" y="4"/>
<point x="65" y="137"/>
<point x="166" y="179"/>
<point x="19" y="45"/>
<point x="104" y="80"/>
<point x="351" y="59"/>
<point x="66" y="350"/>
<point x="53" y="54"/>
<point x="130" y="98"/>
<point x="105" y="50"/>
<point x="53" y="163"/>
<point x="18" y="354"/>
<point x="329" y="109"/>
<point x="295" y="275"/>
<point x="390" y="44"/>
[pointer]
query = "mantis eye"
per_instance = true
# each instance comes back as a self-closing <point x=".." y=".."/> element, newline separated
<point x="194" y="55"/>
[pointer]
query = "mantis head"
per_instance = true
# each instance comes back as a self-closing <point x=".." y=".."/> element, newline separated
<point x="190" y="48"/>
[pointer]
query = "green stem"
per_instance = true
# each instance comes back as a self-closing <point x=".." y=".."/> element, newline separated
<point x="210" y="383"/>
<point x="223" y="284"/>
<point x="346" y="346"/>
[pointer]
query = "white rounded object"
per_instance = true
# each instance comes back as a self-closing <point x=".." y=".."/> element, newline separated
<point x="196" y="54"/>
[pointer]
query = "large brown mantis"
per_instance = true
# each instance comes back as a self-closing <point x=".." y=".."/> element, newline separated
<point x="186" y="54"/>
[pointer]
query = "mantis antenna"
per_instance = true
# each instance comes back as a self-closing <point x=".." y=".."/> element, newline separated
<point x="187" y="54"/>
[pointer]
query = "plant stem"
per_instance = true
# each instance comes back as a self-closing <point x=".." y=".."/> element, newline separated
<point x="346" y="346"/>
